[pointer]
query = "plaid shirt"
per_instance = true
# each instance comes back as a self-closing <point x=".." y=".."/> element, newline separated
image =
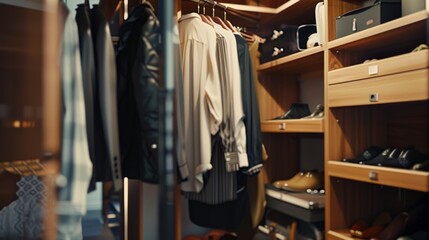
<point x="76" y="166"/>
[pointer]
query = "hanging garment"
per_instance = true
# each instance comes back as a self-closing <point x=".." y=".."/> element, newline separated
<point x="88" y="77"/>
<point x="232" y="130"/>
<point x="221" y="182"/>
<point x="256" y="183"/>
<point x="76" y="166"/>
<point x="23" y="218"/>
<point x="138" y="63"/>
<point x="182" y="165"/>
<point x="202" y="97"/>
<point x="107" y="152"/>
<point x="221" y="186"/>
<point x="250" y="107"/>
<point x="227" y="215"/>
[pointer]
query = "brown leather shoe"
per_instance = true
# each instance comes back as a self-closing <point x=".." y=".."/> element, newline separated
<point x="310" y="180"/>
<point x="285" y="183"/>
<point x="361" y="230"/>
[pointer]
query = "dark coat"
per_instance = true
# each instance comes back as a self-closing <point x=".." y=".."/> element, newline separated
<point x="88" y="78"/>
<point x="107" y="153"/>
<point x="138" y="63"/>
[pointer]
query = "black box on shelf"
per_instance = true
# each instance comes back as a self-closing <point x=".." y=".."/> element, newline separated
<point x="282" y="42"/>
<point x="285" y="40"/>
<point x="379" y="12"/>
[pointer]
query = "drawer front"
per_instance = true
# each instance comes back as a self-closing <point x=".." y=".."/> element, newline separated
<point x="402" y="87"/>
<point x="415" y="180"/>
<point x="293" y="126"/>
<point x="393" y="65"/>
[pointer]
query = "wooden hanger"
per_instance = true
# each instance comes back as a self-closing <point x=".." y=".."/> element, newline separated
<point x="228" y="23"/>
<point x="205" y="18"/>
<point x="216" y="19"/>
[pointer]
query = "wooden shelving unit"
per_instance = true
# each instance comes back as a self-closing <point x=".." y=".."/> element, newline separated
<point x="362" y="100"/>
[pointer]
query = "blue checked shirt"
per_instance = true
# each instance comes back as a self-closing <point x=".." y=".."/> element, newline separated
<point x="76" y="166"/>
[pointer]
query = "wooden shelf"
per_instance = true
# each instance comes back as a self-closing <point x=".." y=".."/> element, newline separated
<point x="339" y="234"/>
<point x="305" y="61"/>
<point x="385" y="35"/>
<point x="293" y="126"/>
<point x="409" y="179"/>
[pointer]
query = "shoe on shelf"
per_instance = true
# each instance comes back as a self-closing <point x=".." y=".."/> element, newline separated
<point x="370" y="60"/>
<point x="361" y="229"/>
<point x="410" y="157"/>
<point x="367" y="155"/>
<point x="397" y="158"/>
<point x="392" y="159"/>
<point x="296" y="111"/>
<point x="387" y="154"/>
<point x="285" y="183"/>
<point x="420" y="47"/>
<point x="408" y="221"/>
<point x="310" y="180"/>
<point x="317" y="113"/>
<point x="423" y="166"/>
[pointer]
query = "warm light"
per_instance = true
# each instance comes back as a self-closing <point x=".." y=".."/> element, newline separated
<point x="16" y="124"/>
<point x="125" y="210"/>
<point x="125" y="9"/>
<point x="21" y="124"/>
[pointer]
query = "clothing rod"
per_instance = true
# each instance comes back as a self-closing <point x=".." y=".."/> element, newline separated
<point x="227" y="9"/>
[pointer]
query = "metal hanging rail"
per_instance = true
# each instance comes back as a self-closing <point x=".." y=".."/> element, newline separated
<point x="215" y="4"/>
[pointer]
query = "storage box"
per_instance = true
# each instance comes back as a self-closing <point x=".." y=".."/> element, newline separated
<point x="285" y="40"/>
<point x="366" y="17"/>
<point x="282" y="42"/>
<point x="412" y="6"/>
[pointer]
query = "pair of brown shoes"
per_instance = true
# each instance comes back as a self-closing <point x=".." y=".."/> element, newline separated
<point x="361" y="229"/>
<point x="302" y="181"/>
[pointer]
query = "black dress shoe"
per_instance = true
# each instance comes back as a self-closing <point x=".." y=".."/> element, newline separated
<point x="410" y="157"/>
<point x="296" y="111"/>
<point x="423" y="166"/>
<point x="367" y="155"/>
<point x="393" y="159"/>
<point x="317" y="113"/>
<point x="406" y="159"/>
<point x="388" y="154"/>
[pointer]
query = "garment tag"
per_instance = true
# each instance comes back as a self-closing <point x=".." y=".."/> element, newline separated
<point x="231" y="161"/>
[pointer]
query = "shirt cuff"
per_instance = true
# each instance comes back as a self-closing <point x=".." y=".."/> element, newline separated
<point x="243" y="161"/>
<point x="253" y="170"/>
<point x="184" y="170"/>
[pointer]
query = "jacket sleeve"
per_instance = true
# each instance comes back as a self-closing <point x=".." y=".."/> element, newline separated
<point x="145" y="82"/>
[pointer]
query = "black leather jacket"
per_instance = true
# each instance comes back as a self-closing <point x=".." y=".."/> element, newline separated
<point x="137" y="63"/>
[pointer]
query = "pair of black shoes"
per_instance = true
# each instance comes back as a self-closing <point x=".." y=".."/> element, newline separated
<point x="301" y="110"/>
<point x="389" y="157"/>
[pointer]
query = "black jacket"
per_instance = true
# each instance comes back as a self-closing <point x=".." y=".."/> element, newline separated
<point x="107" y="153"/>
<point x="137" y="63"/>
